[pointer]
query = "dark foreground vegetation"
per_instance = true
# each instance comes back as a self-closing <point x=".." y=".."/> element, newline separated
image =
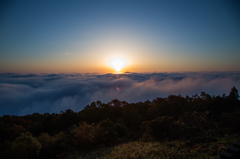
<point x="200" y="126"/>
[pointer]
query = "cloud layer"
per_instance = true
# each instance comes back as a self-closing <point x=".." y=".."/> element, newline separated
<point x="22" y="94"/>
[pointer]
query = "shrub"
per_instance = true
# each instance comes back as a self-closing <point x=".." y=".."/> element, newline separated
<point x="86" y="135"/>
<point x="192" y="124"/>
<point x="122" y="131"/>
<point x="48" y="148"/>
<point x="160" y="128"/>
<point x="26" y="147"/>
<point x="107" y="132"/>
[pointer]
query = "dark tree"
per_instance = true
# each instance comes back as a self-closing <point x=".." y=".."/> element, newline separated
<point x="233" y="95"/>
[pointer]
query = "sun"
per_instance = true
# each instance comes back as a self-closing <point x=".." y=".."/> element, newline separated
<point x="117" y="64"/>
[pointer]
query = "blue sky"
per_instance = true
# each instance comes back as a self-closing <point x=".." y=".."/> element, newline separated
<point x="81" y="36"/>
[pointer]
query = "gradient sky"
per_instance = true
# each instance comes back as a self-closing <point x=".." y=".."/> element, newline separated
<point x="65" y="36"/>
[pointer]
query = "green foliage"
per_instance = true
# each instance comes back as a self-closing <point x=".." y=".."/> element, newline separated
<point x="6" y="150"/>
<point x="230" y="122"/>
<point x="48" y="146"/>
<point x="158" y="107"/>
<point x="131" y="117"/>
<point x="182" y="149"/>
<point x="107" y="132"/>
<point x="161" y="127"/>
<point x="194" y="122"/>
<point x="56" y="145"/>
<point x="157" y="129"/>
<point x="14" y="131"/>
<point x="86" y="135"/>
<point x="26" y="146"/>
<point x="122" y="131"/>
<point x="46" y="140"/>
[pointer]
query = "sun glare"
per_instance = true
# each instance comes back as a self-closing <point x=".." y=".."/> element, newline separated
<point x="118" y="64"/>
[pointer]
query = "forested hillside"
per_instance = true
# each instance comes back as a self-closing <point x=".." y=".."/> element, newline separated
<point x="175" y="123"/>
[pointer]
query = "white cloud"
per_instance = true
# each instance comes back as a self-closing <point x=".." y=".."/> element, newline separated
<point x="26" y="94"/>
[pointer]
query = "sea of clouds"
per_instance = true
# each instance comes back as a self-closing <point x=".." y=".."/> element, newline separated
<point x="22" y="94"/>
